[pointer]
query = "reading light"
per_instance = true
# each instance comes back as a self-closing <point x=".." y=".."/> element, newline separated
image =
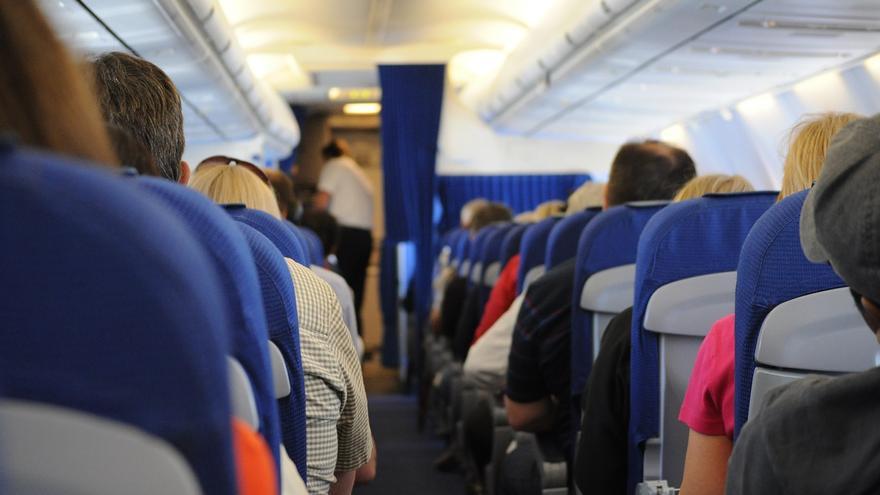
<point x="361" y="108"/>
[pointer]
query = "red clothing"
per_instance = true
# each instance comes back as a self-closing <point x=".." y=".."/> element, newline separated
<point x="500" y="299"/>
<point x="708" y="403"/>
<point x="254" y="464"/>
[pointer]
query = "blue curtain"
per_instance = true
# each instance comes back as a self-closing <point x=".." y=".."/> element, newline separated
<point x="412" y="96"/>
<point x="520" y="192"/>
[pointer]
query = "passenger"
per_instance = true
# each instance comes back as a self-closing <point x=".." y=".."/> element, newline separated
<point x="325" y="226"/>
<point x="139" y="98"/>
<point x="602" y="451"/>
<point x="504" y="291"/>
<point x="47" y="103"/>
<point x="707" y="409"/>
<point x="132" y="153"/>
<point x="46" y="100"/>
<point x="538" y="374"/>
<point x="282" y="184"/>
<point x="338" y="438"/>
<point x="345" y="191"/>
<point x="819" y="434"/>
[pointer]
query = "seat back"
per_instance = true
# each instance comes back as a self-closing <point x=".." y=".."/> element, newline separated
<point x="563" y="239"/>
<point x="96" y="457"/>
<point x="114" y="310"/>
<point x="819" y="333"/>
<point x="772" y="270"/>
<point x="512" y="242"/>
<point x="604" y="274"/>
<point x="279" y="232"/>
<point x="316" y="249"/>
<point x="243" y="304"/>
<point x="532" y="252"/>
<point x="475" y="275"/>
<point x="279" y="304"/>
<point x="685" y="281"/>
<point x="491" y="258"/>
<point x="459" y="240"/>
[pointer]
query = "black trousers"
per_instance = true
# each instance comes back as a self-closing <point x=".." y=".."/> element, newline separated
<point x="353" y="252"/>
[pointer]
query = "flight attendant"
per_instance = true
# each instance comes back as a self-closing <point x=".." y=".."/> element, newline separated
<point x="345" y="191"/>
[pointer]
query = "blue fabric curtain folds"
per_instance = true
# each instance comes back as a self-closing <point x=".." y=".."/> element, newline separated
<point x="412" y="97"/>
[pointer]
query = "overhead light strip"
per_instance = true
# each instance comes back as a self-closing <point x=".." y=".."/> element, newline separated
<point x="134" y="52"/>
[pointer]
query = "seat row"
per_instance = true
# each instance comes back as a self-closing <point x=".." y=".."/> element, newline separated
<point x="141" y="319"/>
<point x="681" y="267"/>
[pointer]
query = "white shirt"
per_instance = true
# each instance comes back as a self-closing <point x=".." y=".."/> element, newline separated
<point x="351" y="194"/>
<point x="489" y="353"/>
<point x="346" y="300"/>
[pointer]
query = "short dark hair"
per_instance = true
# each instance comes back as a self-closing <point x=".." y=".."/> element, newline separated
<point x="325" y="225"/>
<point x="282" y="184"/>
<point x="488" y="214"/>
<point x="648" y="170"/>
<point x="333" y="149"/>
<point x="138" y="97"/>
<point x="132" y="152"/>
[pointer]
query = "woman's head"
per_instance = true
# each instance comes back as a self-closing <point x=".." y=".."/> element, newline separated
<point x="45" y="96"/>
<point x="230" y="181"/>
<point x="713" y="184"/>
<point x="808" y="143"/>
<point x="590" y="194"/>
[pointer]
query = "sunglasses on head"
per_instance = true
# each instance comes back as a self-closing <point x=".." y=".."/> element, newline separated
<point x="220" y="160"/>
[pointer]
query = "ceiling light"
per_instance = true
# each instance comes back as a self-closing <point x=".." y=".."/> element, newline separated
<point x="757" y="104"/>
<point x="361" y="108"/>
<point x="674" y="134"/>
<point x="334" y="93"/>
<point x="826" y="81"/>
<point x="726" y="114"/>
<point x="873" y="64"/>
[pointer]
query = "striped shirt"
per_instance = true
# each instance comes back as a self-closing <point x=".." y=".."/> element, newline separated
<point x="338" y="435"/>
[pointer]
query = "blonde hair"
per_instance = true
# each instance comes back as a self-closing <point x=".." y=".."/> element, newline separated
<point x="808" y="143"/>
<point x="588" y="195"/>
<point x="548" y="209"/>
<point x="232" y="184"/>
<point x="713" y="184"/>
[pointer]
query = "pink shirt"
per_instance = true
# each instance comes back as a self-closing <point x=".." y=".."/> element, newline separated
<point x="708" y="403"/>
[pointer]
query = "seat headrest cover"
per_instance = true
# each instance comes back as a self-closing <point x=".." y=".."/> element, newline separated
<point x="687" y="239"/>
<point x="563" y="240"/>
<point x="511" y="243"/>
<point x="279" y="303"/>
<point x="229" y="252"/>
<point x="114" y="310"/>
<point x="609" y="240"/>
<point x="533" y="249"/>
<point x="275" y="230"/>
<point x="772" y="269"/>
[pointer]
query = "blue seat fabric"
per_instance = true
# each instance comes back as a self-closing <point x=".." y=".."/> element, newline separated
<point x="512" y="242"/>
<point x="111" y="309"/>
<point x="316" y="249"/>
<point x="279" y="303"/>
<point x="278" y="231"/>
<point x="696" y="237"/>
<point x="563" y="240"/>
<point x="772" y="270"/>
<point x="533" y="248"/>
<point x="243" y="303"/>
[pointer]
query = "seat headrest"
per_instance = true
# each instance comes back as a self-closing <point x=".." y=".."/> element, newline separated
<point x="275" y="230"/>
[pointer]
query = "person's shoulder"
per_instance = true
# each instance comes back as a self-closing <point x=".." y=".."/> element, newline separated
<point x="559" y="279"/>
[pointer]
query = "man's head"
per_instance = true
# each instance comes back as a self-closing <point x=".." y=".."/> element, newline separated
<point x="139" y="98"/>
<point x="645" y="171"/>
<point x="488" y="214"/>
<point x="840" y="220"/>
<point x="325" y="225"/>
<point x="334" y="149"/>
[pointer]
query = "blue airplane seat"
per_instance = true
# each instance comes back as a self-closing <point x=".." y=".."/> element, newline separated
<point x="475" y="255"/>
<point x="563" y="240"/>
<point x="112" y="309"/>
<point x="491" y="260"/>
<point x="511" y="243"/>
<point x="606" y="249"/>
<point x="277" y="231"/>
<point x="279" y="303"/>
<point x="685" y="281"/>
<point x="772" y="270"/>
<point x="532" y="251"/>
<point x="460" y="247"/>
<point x="316" y="249"/>
<point x="228" y="250"/>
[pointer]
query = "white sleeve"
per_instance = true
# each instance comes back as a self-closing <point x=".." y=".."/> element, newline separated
<point x="329" y="178"/>
<point x="291" y="482"/>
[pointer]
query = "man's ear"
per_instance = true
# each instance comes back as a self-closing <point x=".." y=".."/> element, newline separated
<point x="605" y="196"/>
<point x="871" y="315"/>
<point x="184" y="173"/>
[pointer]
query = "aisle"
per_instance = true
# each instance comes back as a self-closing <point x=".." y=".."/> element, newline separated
<point x="405" y="455"/>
